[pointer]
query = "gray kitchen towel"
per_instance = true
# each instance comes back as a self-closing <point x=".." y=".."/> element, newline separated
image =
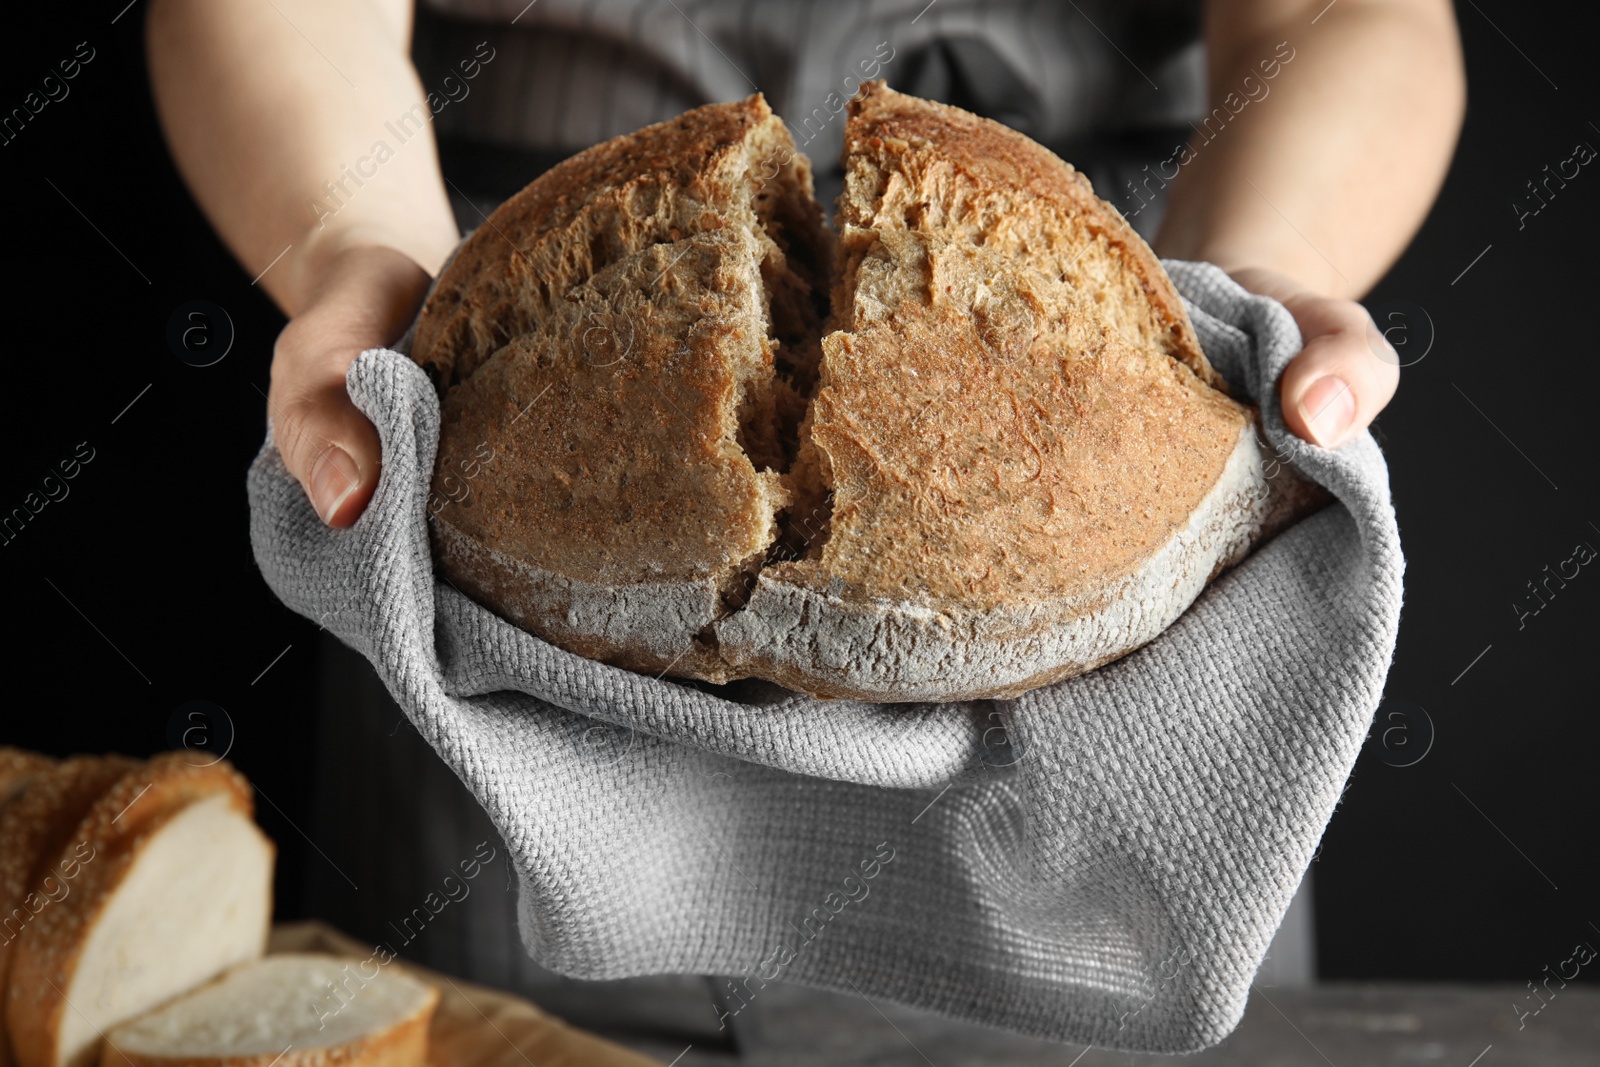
<point x="1101" y="861"/>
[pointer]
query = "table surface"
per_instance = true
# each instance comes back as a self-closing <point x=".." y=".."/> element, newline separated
<point x="1337" y="1024"/>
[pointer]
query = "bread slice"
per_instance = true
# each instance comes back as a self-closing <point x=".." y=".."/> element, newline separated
<point x="1014" y="464"/>
<point x="41" y="856"/>
<point x="176" y="888"/>
<point x="297" y="1010"/>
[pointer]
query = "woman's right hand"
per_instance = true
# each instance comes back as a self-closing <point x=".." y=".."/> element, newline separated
<point x="259" y="105"/>
<point x="364" y="296"/>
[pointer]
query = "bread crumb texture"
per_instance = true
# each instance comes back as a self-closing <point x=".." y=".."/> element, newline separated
<point x="294" y="1010"/>
<point x="967" y="445"/>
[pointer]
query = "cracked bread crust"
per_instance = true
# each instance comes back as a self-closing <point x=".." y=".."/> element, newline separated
<point x="1030" y="473"/>
<point x="1019" y="495"/>
<point x="620" y="196"/>
<point x="1014" y="465"/>
<point x="613" y="383"/>
<point x="834" y="640"/>
<point x="945" y="172"/>
<point x="616" y="504"/>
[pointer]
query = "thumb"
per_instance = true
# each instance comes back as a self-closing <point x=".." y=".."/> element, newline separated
<point x="364" y="297"/>
<point x="1345" y="374"/>
<point x="326" y="442"/>
<point x="1346" y="371"/>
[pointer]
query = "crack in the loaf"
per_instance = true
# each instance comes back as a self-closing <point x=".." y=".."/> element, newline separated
<point x="796" y="276"/>
<point x="794" y="279"/>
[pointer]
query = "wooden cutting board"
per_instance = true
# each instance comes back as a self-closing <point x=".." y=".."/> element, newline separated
<point x="474" y="1026"/>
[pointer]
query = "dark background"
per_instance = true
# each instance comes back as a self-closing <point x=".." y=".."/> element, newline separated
<point x="137" y="592"/>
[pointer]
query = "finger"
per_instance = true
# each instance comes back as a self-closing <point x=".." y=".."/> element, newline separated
<point x="327" y="444"/>
<point x="1346" y="374"/>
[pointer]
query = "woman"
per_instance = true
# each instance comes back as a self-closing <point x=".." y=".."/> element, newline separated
<point x="1261" y="135"/>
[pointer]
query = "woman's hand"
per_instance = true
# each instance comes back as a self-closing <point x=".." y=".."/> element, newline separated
<point x="1346" y="371"/>
<point x="276" y="144"/>
<point x="365" y="296"/>
<point x="1330" y="130"/>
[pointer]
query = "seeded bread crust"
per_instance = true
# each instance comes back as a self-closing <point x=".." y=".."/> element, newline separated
<point x="36" y="828"/>
<point x="126" y="815"/>
<point x="16" y="767"/>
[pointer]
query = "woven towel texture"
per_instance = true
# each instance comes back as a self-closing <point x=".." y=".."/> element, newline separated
<point x="1100" y="861"/>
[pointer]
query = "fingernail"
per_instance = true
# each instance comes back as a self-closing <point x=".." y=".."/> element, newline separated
<point x="333" y="478"/>
<point x="1328" y="408"/>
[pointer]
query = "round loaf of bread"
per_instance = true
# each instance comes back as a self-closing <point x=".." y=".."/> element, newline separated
<point x="965" y="445"/>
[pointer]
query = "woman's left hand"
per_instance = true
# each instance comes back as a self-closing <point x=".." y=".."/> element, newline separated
<point x="1346" y="371"/>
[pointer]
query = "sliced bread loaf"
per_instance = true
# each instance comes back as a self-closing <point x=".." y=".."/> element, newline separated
<point x="298" y="1010"/>
<point x="41" y="855"/>
<point x="179" y="888"/>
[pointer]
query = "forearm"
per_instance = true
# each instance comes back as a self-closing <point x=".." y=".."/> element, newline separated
<point x="273" y="111"/>
<point x="1328" y="172"/>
